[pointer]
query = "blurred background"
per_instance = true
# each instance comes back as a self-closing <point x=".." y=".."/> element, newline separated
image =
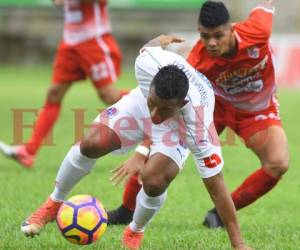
<point x="31" y="29"/>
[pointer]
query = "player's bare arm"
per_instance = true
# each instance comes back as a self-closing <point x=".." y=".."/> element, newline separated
<point x="164" y="41"/>
<point x="58" y="2"/>
<point x="133" y="165"/>
<point x="219" y="194"/>
<point x="267" y="4"/>
<point x="94" y="1"/>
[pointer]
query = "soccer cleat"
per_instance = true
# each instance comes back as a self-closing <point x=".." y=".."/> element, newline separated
<point x="119" y="216"/>
<point x="212" y="219"/>
<point x="132" y="240"/>
<point x="18" y="153"/>
<point x="45" y="213"/>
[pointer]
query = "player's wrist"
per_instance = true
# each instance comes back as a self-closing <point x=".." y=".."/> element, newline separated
<point x="143" y="150"/>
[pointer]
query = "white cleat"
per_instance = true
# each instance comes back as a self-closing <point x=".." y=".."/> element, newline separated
<point x="30" y="230"/>
<point x="18" y="153"/>
<point x="8" y="150"/>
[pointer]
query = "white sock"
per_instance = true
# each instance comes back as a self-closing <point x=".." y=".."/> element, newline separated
<point x="73" y="168"/>
<point x="146" y="208"/>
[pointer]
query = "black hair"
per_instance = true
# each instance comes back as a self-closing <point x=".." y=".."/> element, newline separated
<point x="170" y="82"/>
<point x="213" y="14"/>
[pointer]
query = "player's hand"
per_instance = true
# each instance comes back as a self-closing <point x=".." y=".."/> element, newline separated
<point x="165" y="40"/>
<point x="130" y="167"/>
<point x="268" y="3"/>
<point x="58" y="2"/>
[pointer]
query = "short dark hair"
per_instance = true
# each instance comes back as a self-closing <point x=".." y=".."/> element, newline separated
<point x="170" y="82"/>
<point x="213" y="14"/>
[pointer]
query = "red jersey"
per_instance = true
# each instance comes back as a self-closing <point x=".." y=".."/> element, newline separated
<point x="84" y="21"/>
<point x="247" y="80"/>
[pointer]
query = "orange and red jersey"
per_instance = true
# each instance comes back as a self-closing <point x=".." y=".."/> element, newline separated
<point x="247" y="80"/>
<point x="84" y="21"/>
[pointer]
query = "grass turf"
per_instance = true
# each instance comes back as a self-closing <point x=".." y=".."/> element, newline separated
<point x="270" y="223"/>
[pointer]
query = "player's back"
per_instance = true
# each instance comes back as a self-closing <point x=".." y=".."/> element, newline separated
<point x="84" y="21"/>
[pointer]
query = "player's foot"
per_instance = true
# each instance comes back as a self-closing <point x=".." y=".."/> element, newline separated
<point x="132" y="240"/>
<point x="45" y="213"/>
<point x="119" y="216"/>
<point x="18" y="153"/>
<point x="212" y="219"/>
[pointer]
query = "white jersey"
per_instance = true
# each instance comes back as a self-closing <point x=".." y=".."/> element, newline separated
<point x="84" y="21"/>
<point x="197" y="115"/>
<point x="192" y="129"/>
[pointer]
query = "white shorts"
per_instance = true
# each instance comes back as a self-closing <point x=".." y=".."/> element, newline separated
<point x="130" y="119"/>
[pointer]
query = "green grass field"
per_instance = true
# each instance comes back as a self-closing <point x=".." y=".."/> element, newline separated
<point x="271" y="223"/>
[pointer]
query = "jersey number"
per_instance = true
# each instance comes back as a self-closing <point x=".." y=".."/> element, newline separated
<point x="212" y="161"/>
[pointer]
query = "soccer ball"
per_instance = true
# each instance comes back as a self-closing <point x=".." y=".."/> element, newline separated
<point x="82" y="219"/>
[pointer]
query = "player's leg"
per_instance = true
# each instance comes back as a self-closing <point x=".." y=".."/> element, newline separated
<point x="110" y="94"/>
<point x="78" y="162"/>
<point x="271" y="147"/>
<point x="124" y="213"/>
<point x="65" y="71"/>
<point x="160" y="170"/>
<point x="101" y="61"/>
<point x="268" y="140"/>
<point x="104" y="137"/>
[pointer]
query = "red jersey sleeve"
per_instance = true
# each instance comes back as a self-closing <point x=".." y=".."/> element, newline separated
<point x="259" y="24"/>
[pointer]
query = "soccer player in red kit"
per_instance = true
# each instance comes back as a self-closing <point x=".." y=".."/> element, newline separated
<point x="238" y="60"/>
<point x="87" y="50"/>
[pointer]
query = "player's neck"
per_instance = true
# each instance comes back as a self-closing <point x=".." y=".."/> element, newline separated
<point x="233" y="48"/>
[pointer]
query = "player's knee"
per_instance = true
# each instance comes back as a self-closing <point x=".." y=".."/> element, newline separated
<point x="89" y="148"/>
<point x="154" y="185"/>
<point x="279" y="166"/>
<point x="109" y="95"/>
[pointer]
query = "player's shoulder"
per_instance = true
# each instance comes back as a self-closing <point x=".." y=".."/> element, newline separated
<point x="257" y="26"/>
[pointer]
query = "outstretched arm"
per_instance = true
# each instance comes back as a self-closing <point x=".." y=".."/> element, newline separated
<point x="58" y="2"/>
<point x="163" y="41"/>
<point x="219" y="194"/>
<point x="133" y="165"/>
<point x="267" y="4"/>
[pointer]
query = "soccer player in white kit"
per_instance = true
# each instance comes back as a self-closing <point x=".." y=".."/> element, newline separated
<point x="173" y="106"/>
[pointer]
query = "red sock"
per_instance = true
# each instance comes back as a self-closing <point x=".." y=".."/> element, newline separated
<point x="131" y="190"/>
<point x="43" y="125"/>
<point x="255" y="186"/>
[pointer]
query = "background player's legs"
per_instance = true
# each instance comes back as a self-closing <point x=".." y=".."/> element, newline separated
<point x="271" y="147"/>
<point x="25" y="154"/>
<point x="47" y="117"/>
<point x="78" y="162"/>
<point x="158" y="173"/>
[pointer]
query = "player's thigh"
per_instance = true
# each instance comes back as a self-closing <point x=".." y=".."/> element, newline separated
<point x="100" y="140"/>
<point x="67" y="66"/>
<point x="126" y="119"/>
<point x="270" y="145"/>
<point x="101" y="60"/>
<point x="158" y="173"/>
